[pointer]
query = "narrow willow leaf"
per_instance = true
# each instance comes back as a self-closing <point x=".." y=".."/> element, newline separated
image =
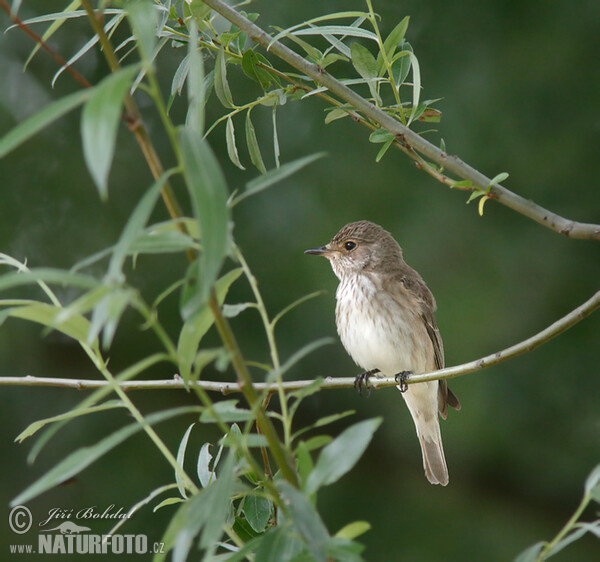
<point x="233" y="310"/>
<point x="276" y="175"/>
<point x="195" y="327"/>
<point x="297" y="356"/>
<point x="99" y="122"/>
<point x="37" y="425"/>
<point x="251" y="65"/>
<point x="592" y="484"/>
<point x="280" y="544"/>
<point x="226" y="411"/>
<point x="253" y="148"/>
<point x="221" y="85"/>
<point x="276" y="151"/>
<point x="257" y="510"/>
<point x="531" y="554"/>
<point x="75" y="327"/>
<point x="416" y="73"/>
<point x="294" y="304"/>
<point x="205" y="511"/>
<point x="208" y="192"/>
<point x="340" y="456"/>
<point x="497" y="179"/>
<point x="353" y="530"/>
<point x="306" y="520"/>
<point x="134" y="226"/>
<point x="93" y="398"/>
<point x="336" y="15"/>
<point x="335" y="114"/>
<point x="338" y="30"/>
<point x="52" y="29"/>
<point x="166" y="502"/>
<point x="304" y="462"/>
<point x="47" y="275"/>
<point x="142" y="18"/>
<point x="401" y="65"/>
<point x="180" y="458"/>
<point x="383" y="149"/>
<point x="232" y="150"/>
<point x="481" y="204"/>
<point x="196" y="89"/>
<point x="108" y="29"/>
<point x="205" y="474"/>
<point x="391" y="43"/>
<point x="63" y="15"/>
<point x="317" y="442"/>
<point x="363" y="61"/>
<point x="81" y="458"/>
<point x="34" y="124"/>
<point x="107" y="314"/>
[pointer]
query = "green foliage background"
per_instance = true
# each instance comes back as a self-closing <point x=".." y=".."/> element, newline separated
<point x="519" y="82"/>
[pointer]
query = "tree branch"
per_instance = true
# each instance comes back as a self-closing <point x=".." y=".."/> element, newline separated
<point x="177" y="382"/>
<point x="454" y="164"/>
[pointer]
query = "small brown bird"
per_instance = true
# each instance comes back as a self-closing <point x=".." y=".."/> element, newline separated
<point x="385" y="319"/>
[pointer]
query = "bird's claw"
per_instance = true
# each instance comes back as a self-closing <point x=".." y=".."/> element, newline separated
<point x="363" y="379"/>
<point x="401" y="380"/>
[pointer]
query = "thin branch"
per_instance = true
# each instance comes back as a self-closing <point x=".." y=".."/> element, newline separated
<point x="454" y="164"/>
<point x="177" y="382"/>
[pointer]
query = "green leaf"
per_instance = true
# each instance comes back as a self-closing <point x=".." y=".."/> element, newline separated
<point x="93" y="398"/>
<point x="205" y="474"/>
<point x="99" y="121"/>
<point x="497" y="179"/>
<point x="135" y="224"/>
<point x="276" y="149"/>
<point x="297" y="356"/>
<point x="257" y="510"/>
<point x="197" y="325"/>
<point x="196" y="87"/>
<point x="166" y="502"/>
<point x="226" y="411"/>
<point x="391" y="42"/>
<point x="76" y="326"/>
<point x="482" y="203"/>
<point x="81" y="458"/>
<point x="336" y="15"/>
<point x="365" y="65"/>
<point x="353" y="530"/>
<point x="531" y="554"/>
<point x="383" y="149"/>
<point x="208" y="192"/>
<point x="37" y="425"/>
<point x="233" y="310"/>
<point x="363" y="61"/>
<point x="341" y="454"/>
<point x="205" y="511"/>
<point x="279" y="544"/>
<point x="306" y="520"/>
<point x="276" y="175"/>
<point x="107" y="314"/>
<point x="34" y="124"/>
<point x="416" y="73"/>
<point x="253" y="148"/>
<point x="251" y="66"/>
<point x="345" y="30"/>
<point x="142" y="18"/>
<point x="592" y="484"/>
<point x="474" y="195"/>
<point x="180" y="458"/>
<point x="335" y="114"/>
<point x="232" y="150"/>
<point x="317" y="442"/>
<point x="221" y="85"/>
<point x="401" y="65"/>
<point x="381" y="135"/>
<point x="304" y="462"/>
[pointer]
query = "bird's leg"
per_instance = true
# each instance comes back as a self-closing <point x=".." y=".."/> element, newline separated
<point x="401" y="380"/>
<point x="363" y="378"/>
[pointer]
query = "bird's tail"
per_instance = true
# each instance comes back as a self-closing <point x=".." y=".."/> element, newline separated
<point x="434" y="461"/>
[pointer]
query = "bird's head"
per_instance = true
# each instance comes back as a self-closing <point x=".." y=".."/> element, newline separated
<point x="358" y="247"/>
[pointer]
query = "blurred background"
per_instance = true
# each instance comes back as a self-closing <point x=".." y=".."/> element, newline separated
<point x="519" y="82"/>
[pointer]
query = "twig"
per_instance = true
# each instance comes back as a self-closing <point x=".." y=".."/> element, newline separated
<point x="453" y="164"/>
<point x="177" y="382"/>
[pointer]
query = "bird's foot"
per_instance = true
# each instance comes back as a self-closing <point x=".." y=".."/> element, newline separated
<point x="401" y="380"/>
<point x="363" y="379"/>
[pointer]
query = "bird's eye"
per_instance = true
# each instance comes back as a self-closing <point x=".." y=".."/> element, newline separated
<point x="350" y="245"/>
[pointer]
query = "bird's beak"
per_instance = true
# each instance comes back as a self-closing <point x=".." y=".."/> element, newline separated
<point x="322" y="251"/>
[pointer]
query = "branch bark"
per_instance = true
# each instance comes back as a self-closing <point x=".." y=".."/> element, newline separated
<point x="567" y="227"/>
<point x="177" y="382"/>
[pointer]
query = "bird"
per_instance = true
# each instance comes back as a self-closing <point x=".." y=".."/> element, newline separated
<point x="385" y="320"/>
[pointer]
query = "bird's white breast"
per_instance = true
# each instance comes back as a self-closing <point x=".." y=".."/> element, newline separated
<point x="379" y="332"/>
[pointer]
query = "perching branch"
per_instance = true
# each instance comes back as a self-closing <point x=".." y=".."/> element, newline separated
<point x="569" y="228"/>
<point x="529" y="344"/>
